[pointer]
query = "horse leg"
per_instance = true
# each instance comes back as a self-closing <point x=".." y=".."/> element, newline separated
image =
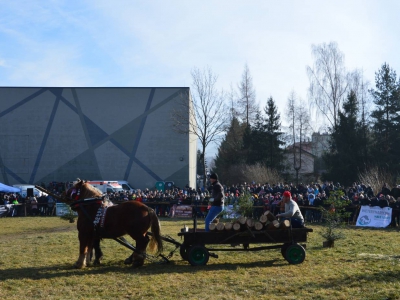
<point x="140" y="254"/>
<point x="89" y="253"/>
<point x="98" y="254"/>
<point x="84" y="243"/>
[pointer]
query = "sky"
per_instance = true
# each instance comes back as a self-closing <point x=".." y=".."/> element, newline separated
<point x="103" y="43"/>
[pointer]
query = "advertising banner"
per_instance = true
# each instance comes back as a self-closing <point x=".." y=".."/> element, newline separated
<point x="183" y="211"/>
<point x="374" y="216"/>
<point x="62" y="209"/>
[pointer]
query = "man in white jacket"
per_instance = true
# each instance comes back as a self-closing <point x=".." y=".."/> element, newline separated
<point x="292" y="211"/>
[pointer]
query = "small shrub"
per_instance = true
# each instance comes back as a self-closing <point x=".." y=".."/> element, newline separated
<point x="244" y="205"/>
<point x="334" y="216"/>
<point x="69" y="216"/>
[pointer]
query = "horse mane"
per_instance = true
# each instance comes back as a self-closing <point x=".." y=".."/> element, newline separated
<point x="88" y="190"/>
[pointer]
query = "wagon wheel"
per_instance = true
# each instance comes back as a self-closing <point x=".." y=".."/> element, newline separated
<point x="284" y="248"/>
<point x="183" y="250"/>
<point x="295" y="254"/>
<point x="198" y="255"/>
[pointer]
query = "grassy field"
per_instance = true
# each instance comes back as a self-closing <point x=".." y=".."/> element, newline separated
<point x="37" y="254"/>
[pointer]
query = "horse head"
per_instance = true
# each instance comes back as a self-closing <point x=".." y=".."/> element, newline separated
<point x="82" y="190"/>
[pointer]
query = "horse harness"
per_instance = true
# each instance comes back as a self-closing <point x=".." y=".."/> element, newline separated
<point x="100" y="217"/>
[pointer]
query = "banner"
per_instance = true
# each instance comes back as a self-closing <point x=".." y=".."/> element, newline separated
<point x="183" y="211"/>
<point x="62" y="209"/>
<point x="230" y="213"/>
<point x="374" y="216"/>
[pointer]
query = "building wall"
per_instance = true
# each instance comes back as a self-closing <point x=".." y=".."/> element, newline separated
<point x="320" y="143"/>
<point x="60" y="134"/>
<point x="307" y="161"/>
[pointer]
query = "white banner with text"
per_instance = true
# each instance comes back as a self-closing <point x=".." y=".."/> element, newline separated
<point x="374" y="216"/>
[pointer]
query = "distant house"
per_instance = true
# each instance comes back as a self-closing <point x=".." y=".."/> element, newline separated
<point x="302" y="158"/>
<point x="320" y="145"/>
<point x="311" y="155"/>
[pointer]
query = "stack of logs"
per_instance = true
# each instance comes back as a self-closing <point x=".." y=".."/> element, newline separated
<point x="266" y="221"/>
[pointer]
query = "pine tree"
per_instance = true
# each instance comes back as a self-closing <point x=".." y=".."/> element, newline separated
<point x="386" y="116"/>
<point x="346" y="158"/>
<point x="254" y="141"/>
<point x="273" y="137"/>
<point x="230" y="152"/>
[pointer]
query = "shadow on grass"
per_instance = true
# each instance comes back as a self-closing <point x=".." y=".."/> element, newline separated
<point x="56" y="271"/>
<point x="383" y="277"/>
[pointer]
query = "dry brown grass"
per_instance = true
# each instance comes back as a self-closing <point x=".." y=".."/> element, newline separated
<point x="36" y="257"/>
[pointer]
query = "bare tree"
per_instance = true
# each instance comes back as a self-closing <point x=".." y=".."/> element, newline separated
<point x="361" y="89"/>
<point x="375" y="177"/>
<point x="232" y="97"/>
<point x="328" y="81"/>
<point x="247" y="98"/>
<point x="299" y="125"/>
<point x="205" y="116"/>
<point x="248" y="173"/>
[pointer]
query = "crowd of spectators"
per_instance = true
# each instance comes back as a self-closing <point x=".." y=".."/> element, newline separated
<point x="264" y="196"/>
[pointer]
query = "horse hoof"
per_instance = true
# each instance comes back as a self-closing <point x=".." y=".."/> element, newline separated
<point x="128" y="261"/>
<point x="79" y="265"/>
<point x="137" y="264"/>
<point x="97" y="262"/>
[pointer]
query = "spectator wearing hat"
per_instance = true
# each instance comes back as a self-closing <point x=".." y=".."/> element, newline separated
<point x="292" y="211"/>
<point x="217" y="200"/>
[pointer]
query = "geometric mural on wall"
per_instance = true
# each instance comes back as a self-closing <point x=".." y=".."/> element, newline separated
<point x="65" y="110"/>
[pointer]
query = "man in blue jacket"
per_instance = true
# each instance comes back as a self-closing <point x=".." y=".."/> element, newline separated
<point x="217" y="200"/>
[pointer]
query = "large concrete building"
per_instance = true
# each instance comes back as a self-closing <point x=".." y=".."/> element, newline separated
<point x="60" y="134"/>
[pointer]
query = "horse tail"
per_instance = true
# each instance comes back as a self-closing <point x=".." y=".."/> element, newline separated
<point x="155" y="241"/>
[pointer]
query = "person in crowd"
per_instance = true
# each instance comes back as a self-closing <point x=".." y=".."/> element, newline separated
<point x="385" y="189"/>
<point x="34" y="206"/>
<point x="42" y="204"/>
<point x="364" y="200"/>
<point x="375" y="200"/>
<point x="392" y="205"/>
<point x="383" y="201"/>
<point x="217" y="200"/>
<point x="50" y="205"/>
<point x="15" y="206"/>
<point x="292" y="211"/>
<point x="396" y="209"/>
<point x="310" y="202"/>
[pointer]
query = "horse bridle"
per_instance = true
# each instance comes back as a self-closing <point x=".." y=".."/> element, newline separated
<point x="82" y="202"/>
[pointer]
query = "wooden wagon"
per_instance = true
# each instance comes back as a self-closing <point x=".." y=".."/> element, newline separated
<point x="196" y="247"/>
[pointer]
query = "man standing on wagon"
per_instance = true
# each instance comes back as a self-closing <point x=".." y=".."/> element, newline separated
<point x="292" y="211"/>
<point x="217" y="200"/>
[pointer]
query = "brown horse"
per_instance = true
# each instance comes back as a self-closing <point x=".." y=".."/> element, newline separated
<point x="132" y="218"/>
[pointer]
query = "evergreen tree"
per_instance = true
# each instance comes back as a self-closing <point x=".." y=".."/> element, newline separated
<point x="230" y="152"/>
<point x="274" y="143"/>
<point x="254" y="142"/>
<point x="346" y="157"/>
<point x="386" y="116"/>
